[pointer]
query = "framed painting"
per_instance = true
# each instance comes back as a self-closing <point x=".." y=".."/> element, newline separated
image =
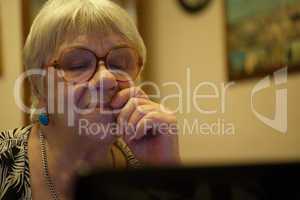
<point x="262" y="36"/>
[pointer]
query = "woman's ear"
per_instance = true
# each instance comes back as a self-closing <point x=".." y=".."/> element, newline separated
<point x="37" y="92"/>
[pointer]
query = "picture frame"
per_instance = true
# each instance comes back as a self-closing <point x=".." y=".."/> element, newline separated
<point x="262" y="37"/>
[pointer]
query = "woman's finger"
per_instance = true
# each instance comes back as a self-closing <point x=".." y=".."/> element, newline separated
<point x="126" y="112"/>
<point x="147" y="123"/>
<point x="122" y="97"/>
<point x="138" y="114"/>
<point x="157" y="122"/>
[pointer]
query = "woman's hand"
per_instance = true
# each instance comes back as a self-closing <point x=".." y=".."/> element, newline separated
<point x="147" y="127"/>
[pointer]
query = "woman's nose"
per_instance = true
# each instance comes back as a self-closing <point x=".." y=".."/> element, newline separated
<point x="104" y="78"/>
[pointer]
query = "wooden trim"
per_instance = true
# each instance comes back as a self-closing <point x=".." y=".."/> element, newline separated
<point x="25" y="13"/>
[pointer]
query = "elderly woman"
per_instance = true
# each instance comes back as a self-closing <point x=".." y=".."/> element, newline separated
<point x="85" y="56"/>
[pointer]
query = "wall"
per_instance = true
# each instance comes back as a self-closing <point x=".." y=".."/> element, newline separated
<point x="175" y="41"/>
<point x="11" y="44"/>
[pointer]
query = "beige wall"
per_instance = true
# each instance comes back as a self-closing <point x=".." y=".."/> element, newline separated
<point x="11" y="41"/>
<point x="176" y="40"/>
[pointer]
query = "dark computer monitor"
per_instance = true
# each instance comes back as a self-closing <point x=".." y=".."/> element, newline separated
<point x="251" y="182"/>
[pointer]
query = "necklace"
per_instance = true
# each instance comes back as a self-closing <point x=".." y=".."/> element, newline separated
<point x="47" y="177"/>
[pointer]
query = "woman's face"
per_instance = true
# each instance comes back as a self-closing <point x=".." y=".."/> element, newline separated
<point x="85" y="105"/>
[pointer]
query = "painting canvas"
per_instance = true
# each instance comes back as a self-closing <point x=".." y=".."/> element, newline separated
<point x="262" y="36"/>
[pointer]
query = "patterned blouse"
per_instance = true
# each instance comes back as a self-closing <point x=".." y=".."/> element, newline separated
<point x="14" y="165"/>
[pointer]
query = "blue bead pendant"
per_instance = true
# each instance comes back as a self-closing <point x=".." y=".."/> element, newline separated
<point x="44" y="119"/>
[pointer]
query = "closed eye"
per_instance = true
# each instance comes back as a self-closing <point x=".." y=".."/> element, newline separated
<point x="113" y="66"/>
<point x="77" y="67"/>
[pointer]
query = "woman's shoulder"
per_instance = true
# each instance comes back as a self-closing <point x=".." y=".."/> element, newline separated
<point x="14" y="167"/>
<point x="13" y="138"/>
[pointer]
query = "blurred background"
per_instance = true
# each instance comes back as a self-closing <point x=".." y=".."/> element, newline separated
<point x="190" y="47"/>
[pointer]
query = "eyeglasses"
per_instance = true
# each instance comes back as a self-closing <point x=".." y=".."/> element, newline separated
<point x="80" y="65"/>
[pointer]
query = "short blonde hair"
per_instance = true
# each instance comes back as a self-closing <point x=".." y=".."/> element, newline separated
<point x="60" y="18"/>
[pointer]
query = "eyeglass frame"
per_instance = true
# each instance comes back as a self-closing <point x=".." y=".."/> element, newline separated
<point x="55" y="63"/>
